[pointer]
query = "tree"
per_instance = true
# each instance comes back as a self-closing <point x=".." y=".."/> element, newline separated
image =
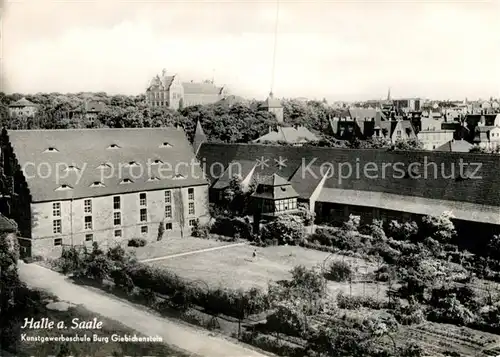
<point x="440" y="228"/>
<point x="286" y="229"/>
<point x="408" y="144"/>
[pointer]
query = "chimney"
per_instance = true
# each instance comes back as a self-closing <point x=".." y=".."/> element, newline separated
<point x="163" y="72"/>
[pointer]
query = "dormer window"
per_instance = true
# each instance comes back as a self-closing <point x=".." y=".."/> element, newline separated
<point x="165" y="145"/>
<point x="283" y="188"/>
<point x="178" y="177"/>
<point x="113" y="146"/>
<point x="153" y="179"/>
<point x="157" y="162"/>
<point x="124" y="181"/>
<point x="97" y="184"/>
<point x="51" y="149"/>
<point x="64" y="187"/>
<point x="132" y="164"/>
<point x="104" y="166"/>
<point x="71" y="168"/>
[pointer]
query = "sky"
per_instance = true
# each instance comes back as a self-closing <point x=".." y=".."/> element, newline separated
<point x="338" y="50"/>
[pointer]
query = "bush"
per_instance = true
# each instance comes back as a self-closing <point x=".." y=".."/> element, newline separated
<point x="355" y="302"/>
<point x="233" y="227"/>
<point x="339" y="270"/>
<point x="200" y="230"/>
<point x="122" y="280"/>
<point x="376" y="230"/>
<point x="410" y="314"/>
<point x="402" y="231"/>
<point x="287" y="229"/>
<point x="137" y="242"/>
<point x="440" y="228"/>
<point x="70" y="261"/>
<point x="452" y="312"/>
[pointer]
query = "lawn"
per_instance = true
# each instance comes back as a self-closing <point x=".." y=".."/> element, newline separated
<point x="236" y="268"/>
<point x="171" y="246"/>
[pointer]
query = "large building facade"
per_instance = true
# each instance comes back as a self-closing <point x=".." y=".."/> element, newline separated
<point x="75" y="187"/>
<point x="170" y="92"/>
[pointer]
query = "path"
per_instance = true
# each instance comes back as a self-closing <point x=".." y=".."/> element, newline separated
<point x="174" y="333"/>
<point x="192" y="252"/>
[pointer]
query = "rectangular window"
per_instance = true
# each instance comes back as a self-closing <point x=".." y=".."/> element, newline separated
<point x="144" y="215"/>
<point x="56" y="209"/>
<point x="168" y="226"/>
<point x="144" y="229"/>
<point x="89" y="237"/>
<point x="398" y="133"/>
<point x="118" y="233"/>
<point x="117" y="218"/>
<point x="142" y="199"/>
<point x="192" y="222"/>
<point x="57" y="242"/>
<point x="168" y="197"/>
<point x="191" y="208"/>
<point x="88" y="222"/>
<point x="56" y="226"/>
<point x="168" y="211"/>
<point x="87" y="206"/>
<point x="116" y="202"/>
<point x="191" y="194"/>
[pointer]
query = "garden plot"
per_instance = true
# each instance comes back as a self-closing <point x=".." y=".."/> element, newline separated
<point x="236" y="268"/>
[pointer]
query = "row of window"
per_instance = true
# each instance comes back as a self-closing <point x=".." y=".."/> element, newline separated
<point x="118" y="232"/>
<point x="56" y="210"/>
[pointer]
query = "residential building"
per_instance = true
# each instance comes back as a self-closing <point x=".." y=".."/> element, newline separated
<point x="395" y="130"/>
<point x="407" y="104"/>
<point x="293" y="135"/>
<point x="274" y="106"/>
<point x="100" y="185"/>
<point x="89" y="110"/>
<point x="22" y="107"/>
<point x="434" y="138"/>
<point x="423" y="183"/>
<point x="170" y="92"/>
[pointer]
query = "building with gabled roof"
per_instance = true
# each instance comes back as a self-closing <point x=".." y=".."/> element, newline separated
<point x="292" y="135"/>
<point x="170" y="92"/>
<point x="432" y="184"/>
<point x="455" y="146"/>
<point x="74" y="187"/>
<point x="23" y="107"/>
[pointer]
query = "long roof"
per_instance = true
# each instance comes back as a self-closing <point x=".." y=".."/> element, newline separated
<point x="23" y="102"/>
<point x="305" y="166"/>
<point x="108" y="161"/>
<point x="201" y="88"/>
<point x="455" y="146"/>
<point x="288" y="134"/>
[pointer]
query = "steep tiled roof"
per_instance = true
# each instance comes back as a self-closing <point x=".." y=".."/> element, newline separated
<point x="455" y="146"/>
<point x="274" y="180"/>
<point x="199" y="137"/>
<point x="288" y="134"/>
<point x="104" y="159"/>
<point x="277" y="188"/>
<point x="271" y="102"/>
<point x="201" y="88"/>
<point x="303" y="165"/>
<point x="23" y="102"/>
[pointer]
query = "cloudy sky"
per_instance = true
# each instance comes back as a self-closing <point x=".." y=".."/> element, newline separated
<point x="339" y="50"/>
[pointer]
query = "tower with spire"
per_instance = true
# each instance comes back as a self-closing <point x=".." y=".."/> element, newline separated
<point x="274" y="106"/>
<point x="199" y="137"/>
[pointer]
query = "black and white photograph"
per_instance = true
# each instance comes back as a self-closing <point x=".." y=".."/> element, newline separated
<point x="249" y="178"/>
